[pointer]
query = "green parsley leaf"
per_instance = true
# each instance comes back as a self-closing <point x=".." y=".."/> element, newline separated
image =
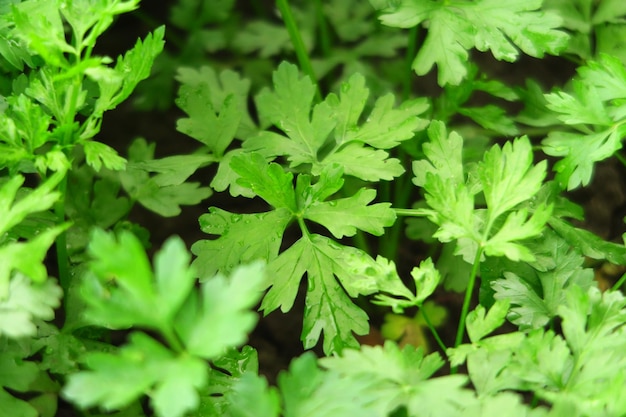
<point x="345" y="215"/>
<point x="274" y="185"/>
<point x="518" y="226"/>
<point x="242" y="238"/>
<point x="24" y="128"/>
<point x="426" y="279"/>
<point x="17" y="375"/>
<point x="308" y="391"/>
<point x="491" y="117"/>
<point x="506" y="178"/>
<point x="26" y="302"/>
<point x="580" y="107"/>
<point x="443" y="177"/>
<point x="27" y="258"/>
<point x="115" y="380"/>
<point x="328" y="308"/>
<point x="116" y="84"/>
<point x="167" y="190"/>
<point x="12" y="406"/>
<point x="218" y="113"/>
<point x="329" y="132"/>
<point x="366" y="163"/>
<point x="265" y="38"/>
<point x="140" y="59"/>
<point x="588" y="243"/>
<point x="227" y="369"/>
<point x="585" y="329"/>
<point x="594" y="28"/>
<point x="101" y="206"/>
<point x="97" y="154"/>
<point x="400" y="377"/>
<point x="591" y="326"/>
<point x="251" y="397"/>
<point x="535" y="299"/>
<point x="88" y="20"/>
<point x="480" y="324"/>
<point x="39" y="199"/>
<point x="216" y="105"/>
<point x="136" y="296"/>
<point x="289" y="107"/>
<point x="487" y="25"/>
<point x="543" y="360"/>
<point x="320" y="257"/>
<point x="200" y="11"/>
<point x="46" y="35"/>
<point x="595" y="106"/>
<point x="407" y="365"/>
<point x="268" y="181"/>
<point x="219" y="318"/>
<point x="61" y="351"/>
<point x="444" y="153"/>
<point x="580" y="154"/>
<point x="608" y="38"/>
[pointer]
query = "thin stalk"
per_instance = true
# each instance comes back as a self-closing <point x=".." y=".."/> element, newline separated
<point x="298" y="45"/>
<point x="401" y="188"/>
<point x="391" y="240"/>
<point x="303" y="228"/>
<point x="408" y="212"/>
<point x="442" y="345"/>
<point x="173" y="341"/>
<point x="619" y="283"/>
<point x="410" y="56"/>
<point x="325" y="39"/>
<point x="361" y="242"/>
<point x="465" y="310"/>
<point x="468" y="297"/>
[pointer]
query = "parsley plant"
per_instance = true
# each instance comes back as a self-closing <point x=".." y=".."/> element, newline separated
<point x="365" y="160"/>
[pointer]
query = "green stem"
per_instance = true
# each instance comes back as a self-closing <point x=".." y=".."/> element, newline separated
<point x="408" y="212"/>
<point x="411" y="51"/>
<point x="325" y="40"/>
<point x="619" y="283"/>
<point x="361" y="242"/>
<point x="298" y="45"/>
<point x="172" y="340"/>
<point x="303" y="228"/>
<point x="401" y="193"/>
<point x="61" y="241"/>
<point x="391" y="240"/>
<point x="468" y="297"/>
<point x="442" y="345"/>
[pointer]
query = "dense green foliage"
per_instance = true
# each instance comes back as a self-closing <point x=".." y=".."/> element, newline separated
<point x="346" y="159"/>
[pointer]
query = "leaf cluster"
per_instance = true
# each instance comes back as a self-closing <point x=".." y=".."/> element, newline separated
<point x="311" y="170"/>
